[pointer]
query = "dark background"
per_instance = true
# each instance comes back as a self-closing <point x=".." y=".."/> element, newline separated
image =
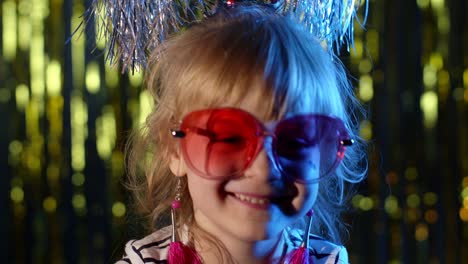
<point x="66" y="116"/>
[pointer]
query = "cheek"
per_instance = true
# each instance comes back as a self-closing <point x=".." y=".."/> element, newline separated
<point x="312" y="192"/>
<point x="196" y="189"/>
<point x="204" y="193"/>
<point x="307" y="195"/>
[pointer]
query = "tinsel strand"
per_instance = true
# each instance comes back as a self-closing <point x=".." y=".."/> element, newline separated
<point x="134" y="28"/>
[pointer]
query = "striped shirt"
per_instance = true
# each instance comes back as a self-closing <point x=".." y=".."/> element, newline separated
<point x="154" y="248"/>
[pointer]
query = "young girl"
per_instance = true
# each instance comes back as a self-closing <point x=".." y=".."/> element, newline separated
<point x="251" y="145"/>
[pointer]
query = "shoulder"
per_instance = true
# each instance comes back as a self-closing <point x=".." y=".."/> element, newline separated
<point x="322" y="250"/>
<point x="327" y="252"/>
<point x="150" y="249"/>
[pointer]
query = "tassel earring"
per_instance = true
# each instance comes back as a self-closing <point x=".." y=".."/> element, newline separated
<point x="301" y="255"/>
<point x="178" y="252"/>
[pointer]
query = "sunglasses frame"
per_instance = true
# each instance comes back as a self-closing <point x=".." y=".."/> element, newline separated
<point x="262" y="132"/>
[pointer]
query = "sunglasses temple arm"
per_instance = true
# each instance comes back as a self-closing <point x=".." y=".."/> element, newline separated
<point x="347" y="142"/>
<point x="199" y="131"/>
<point x="177" y="133"/>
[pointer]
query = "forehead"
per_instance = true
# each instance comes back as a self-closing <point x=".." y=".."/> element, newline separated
<point x="267" y="105"/>
<point x="258" y="103"/>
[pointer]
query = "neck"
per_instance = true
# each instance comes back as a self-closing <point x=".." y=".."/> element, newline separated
<point x="232" y="250"/>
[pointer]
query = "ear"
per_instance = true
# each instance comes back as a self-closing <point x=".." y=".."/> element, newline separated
<point x="177" y="164"/>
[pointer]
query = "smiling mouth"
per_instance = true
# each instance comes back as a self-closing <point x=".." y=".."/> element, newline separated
<point x="252" y="200"/>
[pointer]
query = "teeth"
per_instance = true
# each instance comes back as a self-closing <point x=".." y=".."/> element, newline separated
<point x="253" y="200"/>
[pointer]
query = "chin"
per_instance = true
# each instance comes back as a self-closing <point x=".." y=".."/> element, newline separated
<point x="250" y="233"/>
<point x="262" y="233"/>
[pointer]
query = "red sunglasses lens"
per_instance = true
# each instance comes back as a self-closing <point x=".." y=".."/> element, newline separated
<point x="219" y="142"/>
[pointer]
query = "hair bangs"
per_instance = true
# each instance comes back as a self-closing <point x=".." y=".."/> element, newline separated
<point x="300" y="74"/>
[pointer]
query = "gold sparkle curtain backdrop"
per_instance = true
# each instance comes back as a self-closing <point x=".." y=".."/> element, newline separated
<point x="67" y="114"/>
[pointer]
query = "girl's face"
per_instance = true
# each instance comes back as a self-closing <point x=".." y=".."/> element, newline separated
<point x="260" y="201"/>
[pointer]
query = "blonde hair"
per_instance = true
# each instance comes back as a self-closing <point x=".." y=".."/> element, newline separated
<point x="226" y="56"/>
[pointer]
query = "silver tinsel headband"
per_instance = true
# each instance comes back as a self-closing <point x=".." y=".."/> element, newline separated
<point x="133" y="28"/>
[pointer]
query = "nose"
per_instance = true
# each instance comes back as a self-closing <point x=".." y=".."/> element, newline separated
<point x="264" y="165"/>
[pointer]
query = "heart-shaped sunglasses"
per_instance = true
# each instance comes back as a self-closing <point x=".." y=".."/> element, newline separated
<point x="223" y="142"/>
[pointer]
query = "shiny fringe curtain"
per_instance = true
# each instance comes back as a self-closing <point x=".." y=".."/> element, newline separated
<point x="66" y="117"/>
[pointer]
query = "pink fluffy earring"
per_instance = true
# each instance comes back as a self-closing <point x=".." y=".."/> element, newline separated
<point x="301" y="255"/>
<point x="179" y="253"/>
